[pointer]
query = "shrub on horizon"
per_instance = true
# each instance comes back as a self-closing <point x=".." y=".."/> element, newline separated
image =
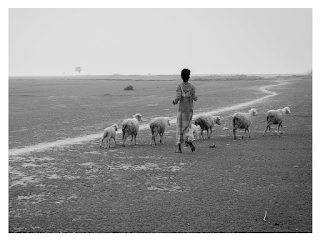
<point x="129" y="87"/>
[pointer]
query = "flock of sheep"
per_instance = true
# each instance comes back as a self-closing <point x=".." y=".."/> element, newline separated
<point x="240" y="120"/>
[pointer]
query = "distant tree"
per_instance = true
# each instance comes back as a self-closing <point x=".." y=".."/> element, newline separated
<point x="78" y="69"/>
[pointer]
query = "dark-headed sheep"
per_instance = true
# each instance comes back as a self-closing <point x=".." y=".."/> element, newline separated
<point x="276" y="117"/>
<point x="206" y="122"/>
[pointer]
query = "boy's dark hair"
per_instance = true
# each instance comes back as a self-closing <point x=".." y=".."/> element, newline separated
<point x="185" y="74"/>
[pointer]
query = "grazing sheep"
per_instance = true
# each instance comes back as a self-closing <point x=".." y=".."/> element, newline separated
<point x="206" y="122"/>
<point x="108" y="133"/>
<point x="130" y="127"/>
<point x="276" y="117"/>
<point x="158" y="126"/>
<point x="243" y="121"/>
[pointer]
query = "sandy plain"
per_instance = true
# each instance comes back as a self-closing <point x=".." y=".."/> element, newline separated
<point x="61" y="181"/>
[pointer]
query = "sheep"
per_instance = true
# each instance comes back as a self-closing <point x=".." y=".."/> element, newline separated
<point x="130" y="126"/>
<point x="276" y="117"/>
<point x="108" y="133"/>
<point x="189" y="137"/>
<point x="195" y="130"/>
<point x="158" y="126"/>
<point x="206" y="122"/>
<point x="243" y="121"/>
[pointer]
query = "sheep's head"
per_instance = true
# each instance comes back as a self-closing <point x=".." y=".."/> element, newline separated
<point x="115" y="127"/>
<point x="253" y="112"/>
<point x="168" y="121"/>
<point x="138" y="116"/>
<point x="287" y="110"/>
<point x="197" y="121"/>
<point x="218" y="120"/>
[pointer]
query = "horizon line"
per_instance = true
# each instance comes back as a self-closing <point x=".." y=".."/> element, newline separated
<point x="151" y="74"/>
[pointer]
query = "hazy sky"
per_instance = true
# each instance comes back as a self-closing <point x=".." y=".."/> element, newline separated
<point x="159" y="41"/>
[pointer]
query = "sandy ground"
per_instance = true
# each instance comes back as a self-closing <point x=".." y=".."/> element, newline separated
<point x="229" y="188"/>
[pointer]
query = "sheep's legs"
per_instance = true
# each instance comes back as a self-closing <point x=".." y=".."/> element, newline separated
<point x="161" y="138"/>
<point x="280" y="125"/>
<point x="234" y="134"/>
<point x="209" y="136"/>
<point x="196" y="135"/>
<point x="270" y="130"/>
<point x="245" y="130"/>
<point x="153" y="138"/>
<point x="101" y="142"/>
<point x="115" y="143"/>
<point x="124" y="137"/>
<point x="135" y="138"/>
<point x="202" y="134"/>
<point x="244" y="133"/>
<point x="268" y="127"/>
<point x="248" y="132"/>
<point x="266" y="130"/>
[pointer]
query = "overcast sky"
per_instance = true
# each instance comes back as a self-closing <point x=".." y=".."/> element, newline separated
<point x="159" y="41"/>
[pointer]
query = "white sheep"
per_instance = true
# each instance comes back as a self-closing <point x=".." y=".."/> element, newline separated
<point x="158" y="126"/>
<point x="195" y="130"/>
<point x="276" y="117"/>
<point x="243" y="121"/>
<point x="206" y="122"/>
<point x="130" y="127"/>
<point x="108" y="133"/>
<point x="189" y="136"/>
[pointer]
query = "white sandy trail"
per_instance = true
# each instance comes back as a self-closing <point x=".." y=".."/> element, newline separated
<point x="69" y="141"/>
